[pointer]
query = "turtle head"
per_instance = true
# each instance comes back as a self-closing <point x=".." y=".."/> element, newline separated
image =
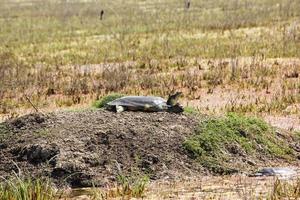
<point x="177" y="108"/>
<point x="173" y="105"/>
<point x="173" y="99"/>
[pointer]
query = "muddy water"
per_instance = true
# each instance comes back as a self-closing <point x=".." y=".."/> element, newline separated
<point x="216" y="187"/>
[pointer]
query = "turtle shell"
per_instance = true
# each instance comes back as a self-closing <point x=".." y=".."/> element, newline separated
<point x="276" y="171"/>
<point x="150" y="103"/>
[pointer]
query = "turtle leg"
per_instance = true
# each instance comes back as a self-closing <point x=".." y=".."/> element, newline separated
<point x="110" y="108"/>
<point x="120" y="109"/>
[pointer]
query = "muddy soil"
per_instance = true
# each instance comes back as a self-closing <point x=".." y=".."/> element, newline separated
<point x="92" y="147"/>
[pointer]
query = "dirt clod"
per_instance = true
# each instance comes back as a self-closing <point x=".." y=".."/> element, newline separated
<point x="37" y="153"/>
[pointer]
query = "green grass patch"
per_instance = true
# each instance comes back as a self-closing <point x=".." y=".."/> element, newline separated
<point x="190" y="110"/>
<point x="218" y="141"/>
<point x="27" y="189"/>
<point x="104" y="100"/>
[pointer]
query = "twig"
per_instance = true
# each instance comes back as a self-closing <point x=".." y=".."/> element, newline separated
<point x="27" y="98"/>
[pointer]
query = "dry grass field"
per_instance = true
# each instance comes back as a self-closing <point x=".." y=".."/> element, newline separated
<point x="232" y="55"/>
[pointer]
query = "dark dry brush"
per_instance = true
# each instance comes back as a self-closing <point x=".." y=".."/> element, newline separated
<point x="96" y="146"/>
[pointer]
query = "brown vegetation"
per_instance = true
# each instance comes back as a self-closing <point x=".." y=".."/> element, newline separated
<point x="51" y="52"/>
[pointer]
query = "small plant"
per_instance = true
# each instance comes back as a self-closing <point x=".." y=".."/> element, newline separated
<point x="104" y="100"/>
<point x="132" y="187"/>
<point x="123" y="185"/>
<point x="139" y="187"/>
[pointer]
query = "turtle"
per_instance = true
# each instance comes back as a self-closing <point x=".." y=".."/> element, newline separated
<point x="146" y="104"/>
<point x="276" y="171"/>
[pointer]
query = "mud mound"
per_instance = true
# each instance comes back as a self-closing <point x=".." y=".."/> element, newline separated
<point x="92" y="147"/>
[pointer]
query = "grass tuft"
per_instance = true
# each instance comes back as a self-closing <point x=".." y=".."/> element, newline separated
<point x="133" y="187"/>
<point x="127" y="187"/>
<point x="26" y="189"/>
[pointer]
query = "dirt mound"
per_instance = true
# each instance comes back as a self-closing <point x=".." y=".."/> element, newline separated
<point x="93" y="146"/>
